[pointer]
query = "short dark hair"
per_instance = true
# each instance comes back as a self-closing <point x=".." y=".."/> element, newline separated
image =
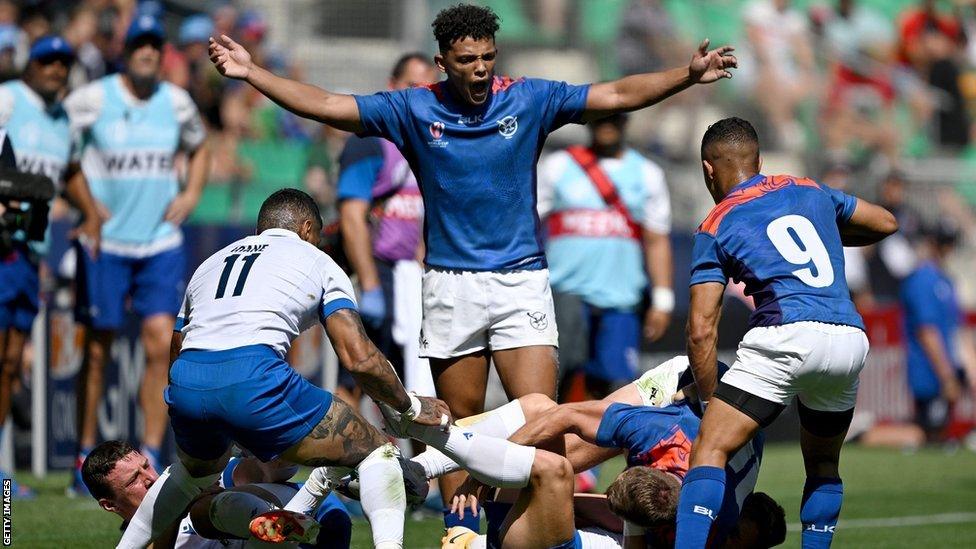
<point x="461" y="21"/>
<point x="401" y="65"/>
<point x="730" y="130"/>
<point x="644" y="496"/>
<point x="287" y="209"/>
<point x="100" y="463"/>
<point x="768" y="516"/>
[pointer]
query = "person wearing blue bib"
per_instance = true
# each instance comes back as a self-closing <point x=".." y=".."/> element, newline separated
<point x="472" y="140"/>
<point x="37" y="127"/>
<point x="131" y="126"/>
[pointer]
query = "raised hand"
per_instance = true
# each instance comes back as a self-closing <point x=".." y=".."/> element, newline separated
<point x="230" y="58"/>
<point x="709" y="66"/>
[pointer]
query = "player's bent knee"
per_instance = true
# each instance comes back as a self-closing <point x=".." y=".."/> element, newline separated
<point x="549" y="467"/>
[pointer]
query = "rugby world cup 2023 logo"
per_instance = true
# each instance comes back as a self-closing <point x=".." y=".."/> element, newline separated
<point x="436" y="129"/>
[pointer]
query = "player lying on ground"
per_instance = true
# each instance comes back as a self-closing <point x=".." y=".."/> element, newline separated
<point x="229" y="383"/>
<point x="653" y="423"/>
<point x="783" y="236"/>
<point x="626" y="420"/>
<point x="472" y="141"/>
<point x="118" y="476"/>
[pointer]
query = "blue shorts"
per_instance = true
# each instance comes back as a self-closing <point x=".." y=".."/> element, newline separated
<point x="614" y="338"/>
<point x="247" y="395"/>
<point x="19" y="289"/>
<point x="155" y="283"/>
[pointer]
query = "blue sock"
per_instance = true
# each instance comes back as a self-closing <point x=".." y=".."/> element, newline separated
<point x="451" y="520"/>
<point x="822" y="498"/>
<point x="701" y="499"/>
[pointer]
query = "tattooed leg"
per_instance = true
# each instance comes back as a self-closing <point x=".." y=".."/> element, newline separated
<point x="343" y="438"/>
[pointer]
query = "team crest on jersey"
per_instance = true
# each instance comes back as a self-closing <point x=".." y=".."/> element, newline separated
<point x="508" y="126"/>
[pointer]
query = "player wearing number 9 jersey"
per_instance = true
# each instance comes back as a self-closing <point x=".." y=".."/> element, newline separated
<point x="783" y="236"/>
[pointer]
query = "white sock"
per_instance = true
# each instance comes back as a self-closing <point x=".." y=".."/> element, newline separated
<point x="163" y="505"/>
<point x="382" y="496"/>
<point x="494" y="461"/>
<point x="502" y="422"/>
<point x="480" y="542"/>
<point x="435" y="463"/>
<point x="231" y="512"/>
<point x="315" y="489"/>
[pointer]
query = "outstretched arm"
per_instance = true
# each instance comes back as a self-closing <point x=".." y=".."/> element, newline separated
<point x="703" y="316"/>
<point x="373" y="371"/>
<point x="335" y="109"/>
<point x="643" y="90"/>
<point x="869" y="224"/>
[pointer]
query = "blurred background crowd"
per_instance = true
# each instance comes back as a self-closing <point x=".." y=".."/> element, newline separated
<point x="876" y="97"/>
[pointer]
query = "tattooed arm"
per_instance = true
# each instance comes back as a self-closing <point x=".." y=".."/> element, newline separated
<point x="372" y="370"/>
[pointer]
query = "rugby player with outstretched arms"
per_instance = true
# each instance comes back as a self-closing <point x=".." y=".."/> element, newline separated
<point x="472" y="140"/>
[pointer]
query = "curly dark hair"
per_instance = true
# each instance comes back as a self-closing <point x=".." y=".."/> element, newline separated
<point x="461" y="21"/>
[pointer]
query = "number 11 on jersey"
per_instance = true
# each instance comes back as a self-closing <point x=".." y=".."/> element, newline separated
<point x="229" y="262"/>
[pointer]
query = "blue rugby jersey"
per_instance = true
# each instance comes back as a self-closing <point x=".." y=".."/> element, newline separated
<point x="780" y="235"/>
<point x="476" y="165"/>
<point x="662" y="438"/>
<point x="928" y="298"/>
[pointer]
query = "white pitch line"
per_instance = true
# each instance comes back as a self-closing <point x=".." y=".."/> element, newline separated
<point x="894" y="522"/>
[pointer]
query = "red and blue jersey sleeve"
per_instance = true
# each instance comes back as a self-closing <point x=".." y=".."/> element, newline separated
<point x="384" y="114"/>
<point x="560" y="103"/>
<point x="635" y="428"/>
<point x="708" y="261"/>
<point x="844" y="204"/>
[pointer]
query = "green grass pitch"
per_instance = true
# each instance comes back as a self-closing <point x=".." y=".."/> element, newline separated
<point x="927" y="486"/>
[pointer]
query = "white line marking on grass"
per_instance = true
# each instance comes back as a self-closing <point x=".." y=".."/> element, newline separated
<point x="894" y="522"/>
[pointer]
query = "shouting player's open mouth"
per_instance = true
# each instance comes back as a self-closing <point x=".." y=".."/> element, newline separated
<point x="479" y="90"/>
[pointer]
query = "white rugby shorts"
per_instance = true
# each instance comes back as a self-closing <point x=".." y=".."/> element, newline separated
<point x="467" y="311"/>
<point x="815" y="361"/>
